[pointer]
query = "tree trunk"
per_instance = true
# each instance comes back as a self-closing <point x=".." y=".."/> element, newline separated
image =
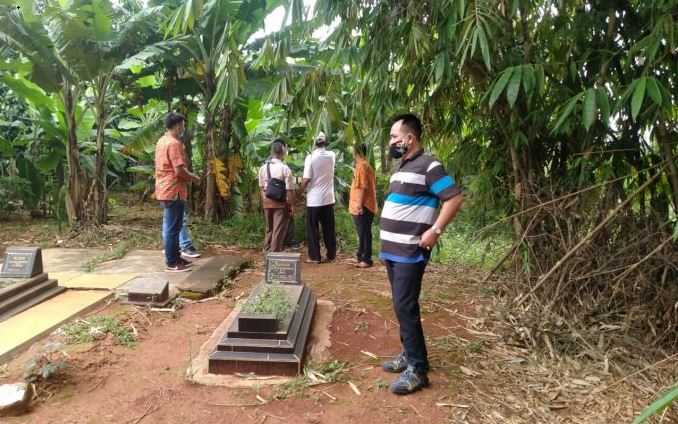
<point x="208" y="169"/>
<point x="98" y="196"/>
<point x="76" y="180"/>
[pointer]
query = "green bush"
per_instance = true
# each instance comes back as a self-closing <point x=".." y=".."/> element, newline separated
<point x="14" y="191"/>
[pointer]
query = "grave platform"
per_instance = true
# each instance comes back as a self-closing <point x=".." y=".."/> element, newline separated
<point x="279" y="352"/>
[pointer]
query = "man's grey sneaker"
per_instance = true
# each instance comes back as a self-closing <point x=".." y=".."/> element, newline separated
<point x="190" y="253"/>
<point x="399" y="364"/>
<point x="409" y="382"/>
<point x="177" y="267"/>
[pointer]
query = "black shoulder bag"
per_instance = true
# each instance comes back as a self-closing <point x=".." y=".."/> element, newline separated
<point x="275" y="189"/>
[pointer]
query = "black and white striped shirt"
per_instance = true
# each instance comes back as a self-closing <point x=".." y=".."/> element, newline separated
<point x="411" y="207"/>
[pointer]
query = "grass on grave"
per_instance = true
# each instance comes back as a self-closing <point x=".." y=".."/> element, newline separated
<point x="85" y="330"/>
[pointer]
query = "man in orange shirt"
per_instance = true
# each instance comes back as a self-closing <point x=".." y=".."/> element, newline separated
<point x="362" y="204"/>
<point x="171" y="188"/>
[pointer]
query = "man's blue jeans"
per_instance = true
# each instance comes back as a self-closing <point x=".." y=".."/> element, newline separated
<point x="185" y="241"/>
<point x="172" y="220"/>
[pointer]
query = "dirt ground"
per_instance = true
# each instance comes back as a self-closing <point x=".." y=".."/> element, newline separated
<point x="477" y="377"/>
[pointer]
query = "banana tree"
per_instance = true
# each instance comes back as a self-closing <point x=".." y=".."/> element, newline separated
<point x="95" y="37"/>
<point x="22" y="30"/>
<point x="205" y="44"/>
<point x="72" y="46"/>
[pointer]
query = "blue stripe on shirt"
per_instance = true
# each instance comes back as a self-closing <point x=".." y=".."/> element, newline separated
<point x="402" y="259"/>
<point x="404" y="199"/>
<point x="442" y="184"/>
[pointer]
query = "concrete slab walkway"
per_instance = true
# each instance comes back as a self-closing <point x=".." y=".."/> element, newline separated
<point x="86" y="290"/>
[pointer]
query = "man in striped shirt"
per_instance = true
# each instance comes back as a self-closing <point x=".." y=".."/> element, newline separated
<point x="410" y="227"/>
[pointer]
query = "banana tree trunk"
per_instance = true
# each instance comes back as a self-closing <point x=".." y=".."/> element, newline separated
<point x="98" y="196"/>
<point x="75" y="183"/>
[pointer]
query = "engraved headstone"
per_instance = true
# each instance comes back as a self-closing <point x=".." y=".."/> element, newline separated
<point x="21" y="262"/>
<point x="283" y="268"/>
<point x="152" y="291"/>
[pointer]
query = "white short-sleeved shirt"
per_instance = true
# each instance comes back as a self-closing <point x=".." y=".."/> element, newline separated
<point x="319" y="169"/>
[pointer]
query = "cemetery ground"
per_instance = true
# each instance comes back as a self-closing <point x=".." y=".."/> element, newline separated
<point x="480" y="372"/>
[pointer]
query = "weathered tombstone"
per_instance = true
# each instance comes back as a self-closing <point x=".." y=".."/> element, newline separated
<point x="22" y="282"/>
<point x="22" y="262"/>
<point x="152" y="291"/>
<point x="283" y="268"/>
<point x="262" y="344"/>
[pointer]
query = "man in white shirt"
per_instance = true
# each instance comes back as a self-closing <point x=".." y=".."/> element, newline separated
<point x="276" y="213"/>
<point x="319" y="178"/>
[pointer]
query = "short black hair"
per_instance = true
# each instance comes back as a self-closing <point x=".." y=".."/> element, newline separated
<point x="173" y="118"/>
<point x="281" y="141"/>
<point x="277" y="148"/>
<point x="411" y="122"/>
<point x="360" y="149"/>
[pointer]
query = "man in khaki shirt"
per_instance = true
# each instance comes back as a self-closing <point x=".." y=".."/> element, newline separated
<point x="276" y="213"/>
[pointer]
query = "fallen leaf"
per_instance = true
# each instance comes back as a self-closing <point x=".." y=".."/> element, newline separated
<point x="466" y="371"/>
<point x="370" y="354"/>
<point x="354" y="388"/>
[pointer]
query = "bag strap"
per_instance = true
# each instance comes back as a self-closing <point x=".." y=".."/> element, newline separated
<point x="268" y="170"/>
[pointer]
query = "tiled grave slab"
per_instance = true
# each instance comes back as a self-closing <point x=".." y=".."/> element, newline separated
<point x="208" y="278"/>
<point x="97" y="281"/>
<point x="67" y="260"/>
<point x="64" y="276"/>
<point x="19" y="331"/>
<point x="152" y="291"/>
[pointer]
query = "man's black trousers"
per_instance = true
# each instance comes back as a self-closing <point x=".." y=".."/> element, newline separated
<point x="363" y="225"/>
<point x="321" y="216"/>
<point x="405" y="279"/>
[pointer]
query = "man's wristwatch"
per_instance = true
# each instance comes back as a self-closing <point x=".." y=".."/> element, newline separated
<point x="436" y="229"/>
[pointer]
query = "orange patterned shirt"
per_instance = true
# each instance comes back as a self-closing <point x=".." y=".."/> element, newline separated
<point x="169" y="155"/>
<point x="363" y="178"/>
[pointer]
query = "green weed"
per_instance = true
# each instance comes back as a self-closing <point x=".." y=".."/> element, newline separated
<point x="116" y="253"/>
<point x="272" y="300"/>
<point x="96" y="328"/>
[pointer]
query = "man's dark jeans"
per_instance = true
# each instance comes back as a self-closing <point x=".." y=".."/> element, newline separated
<point x="405" y="279"/>
<point x="172" y="221"/>
<point x="363" y="224"/>
<point x="321" y="216"/>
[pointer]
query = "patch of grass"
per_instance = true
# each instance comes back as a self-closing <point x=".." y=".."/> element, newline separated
<point x="476" y="346"/>
<point x="116" y="253"/>
<point x="272" y="300"/>
<point x="96" y="328"/>
<point x="331" y="371"/>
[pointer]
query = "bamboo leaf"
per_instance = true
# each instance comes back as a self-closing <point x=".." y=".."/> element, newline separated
<point x="590" y="111"/>
<point x="567" y="110"/>
<point x="484" y="48"/>
<point x="514" y="85"/>
<point x="638" y="95"/>
<point x="604" y="105"/>
<point x="499" y="86"/>
<point x="653" y="91"/>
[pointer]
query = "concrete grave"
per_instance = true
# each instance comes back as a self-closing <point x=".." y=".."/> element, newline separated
<point x="262" y="344"/>
<point x="22" y="282"/>
<point x="153" y="291"/>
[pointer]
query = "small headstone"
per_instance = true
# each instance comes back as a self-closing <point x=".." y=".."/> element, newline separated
<point x="21" y="262"/>
<point x="14" y="399"/>
<point x="152" y="291"/>
<point x="283" y="268"/>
